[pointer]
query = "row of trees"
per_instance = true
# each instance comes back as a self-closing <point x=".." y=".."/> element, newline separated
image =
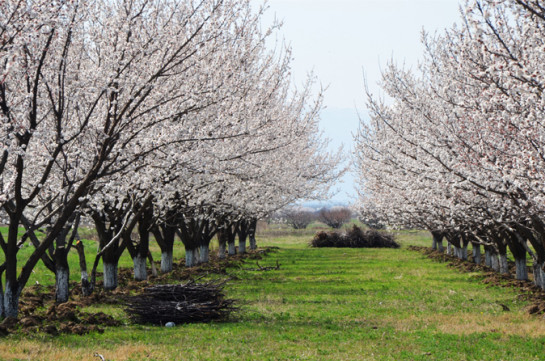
<point x="145" y="117"/>
<point x="301" y="217"/>
<point x="459" y="148"/>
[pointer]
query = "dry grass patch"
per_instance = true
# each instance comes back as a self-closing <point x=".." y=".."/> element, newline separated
<point x="464" y="324"/>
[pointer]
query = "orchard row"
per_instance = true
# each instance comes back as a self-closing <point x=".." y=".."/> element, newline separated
<point x="459" y="148"/>
<point x="163" y="116"/>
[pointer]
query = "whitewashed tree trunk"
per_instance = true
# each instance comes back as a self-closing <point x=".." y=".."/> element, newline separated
<point x="204" y="251"/>
<point x="440" y="246"/>
<point x="463" y="253"/>
<point x="190" y="257"/>
<point x="232" y="248"/>
<point x="449" y="249"/>
<point x="495" y="262"/>
<point x="521" y="269"/>
<point x="62" y="276"/>
<point x="539" y="275"/>
<point x="166" y="262"/>
<point x="487" y="258"/>
<point x="477" y="254"/>
<point x="242" y="247"/>
<point x="11" y="301"/>
<point x="140" y="272"/>
<point x="504" y="266"/>
<point x="222" y="250"/>
<point x="110" y="276"/>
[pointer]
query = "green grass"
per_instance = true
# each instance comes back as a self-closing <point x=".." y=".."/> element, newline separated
<point x="328" y="304"/>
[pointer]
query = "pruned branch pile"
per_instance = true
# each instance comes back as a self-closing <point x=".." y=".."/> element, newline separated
<point x="355" y="238"/>
<point x="186" y="303"/>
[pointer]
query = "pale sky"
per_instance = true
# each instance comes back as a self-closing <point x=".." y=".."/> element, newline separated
<point x="341" y="40"/>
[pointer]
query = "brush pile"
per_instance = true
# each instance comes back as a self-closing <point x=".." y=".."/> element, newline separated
<point x="186" y="303"/>
<point x="355" y="238"/>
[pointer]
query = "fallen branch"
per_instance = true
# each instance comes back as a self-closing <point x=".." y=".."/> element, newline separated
<point x="260" y="268"/>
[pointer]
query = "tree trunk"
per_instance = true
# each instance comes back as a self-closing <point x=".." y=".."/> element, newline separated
<point x="449" y="248"/>
<point x="140" y="272"/>
<point x="477" y="253"/>
<point x="109" y="275"/>
<point x="86" y="286"/>
<point x="11" y="300"/>
<point x="252" y="230"/>
<point x="167" y="261"/>
<point x="539" y="275"/>
<point x="487" y="257"/>
<point x="232" y="248"/>
<point x="191" y="257"/>
<point x="463" y="252"/>
<point x="504" y="267"/>
<point x="62" y="275"/>
<point x="221" y="250"/>
<point x="242" y="246"/>
<point x="204" y="253"/>
<point x="495" y="262"/>
<point x="521" y="269"/>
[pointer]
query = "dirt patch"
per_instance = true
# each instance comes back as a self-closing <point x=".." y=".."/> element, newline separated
<point x="526" y="289"/>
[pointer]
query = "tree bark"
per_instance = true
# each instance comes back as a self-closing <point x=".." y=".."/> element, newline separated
<point x="167" y="261"/>
<point x="504" y="267"/>
<point x="86" y="286"/>
<point x="204" y="253"/>
<point x="110" y="274"/>
<point x="487" y="257"/>
<point x="232" y="249"/>
<point x="521" y="269"/>
<point x="251" y="233"/>
<point x="242" y="246"/>
<point x="62" y="275"/>
<point x="140" y="272"/>
<point x="11" y="299"/>
<point x="191" y="257"/>
<point x="477" y="253"/>
<point x="495" y="262"/>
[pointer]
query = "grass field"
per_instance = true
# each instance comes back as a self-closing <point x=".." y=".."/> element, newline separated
<point x="326" y="304"/>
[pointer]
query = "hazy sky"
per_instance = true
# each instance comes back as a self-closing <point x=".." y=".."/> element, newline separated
<point x="341" y="40"/>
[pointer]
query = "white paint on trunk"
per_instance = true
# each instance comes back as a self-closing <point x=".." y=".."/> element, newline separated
<point x="433" y="244"/>
<point x="253" y="243"/>
<point x="190" y="259"/>
<point x="487" y="258"/>
<point x="477" y="254"/>
<point x="86" y="287"/>
<point x="232" y="249"/>
<point x="521" y="269"/>
<point x="140" y="272"/>
<point x="62" y="276"/>
<point x="504" y="267"/>
<point x="495" y="262"/>
<point x="463" y="253"/>
<point x="241" y="247"/>
<point x="222" y="250"/>
<point x="539" y="275"/>
<point x="449" y="249"/>
<point x="440" y="247"/>
<point x="110" y="276"/>
<point x="457" y="252"/>
<point x="166" y="262"/>
<point x="204" y="251"/>
<point x="11" y="301"/>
